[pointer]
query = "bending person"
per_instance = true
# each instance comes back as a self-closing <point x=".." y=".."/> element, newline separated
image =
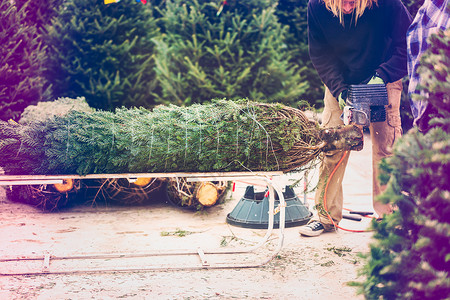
<point x="354" y="42"/>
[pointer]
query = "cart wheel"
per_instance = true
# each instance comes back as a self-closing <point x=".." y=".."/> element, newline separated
<point x="195" y="195"/>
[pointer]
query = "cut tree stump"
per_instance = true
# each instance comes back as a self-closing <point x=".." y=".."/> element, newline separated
<point x="142" y="181"/>
<point x="45" y="197"/>
<point x="123" y="192"/>
<point x="195" y="195"/>
<point x="343" y="138"/>
<point x="66" y="186"/>
<point x="207" y="194"/>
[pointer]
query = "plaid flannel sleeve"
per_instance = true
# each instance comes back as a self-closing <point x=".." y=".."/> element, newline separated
<point x="431" y="17"/>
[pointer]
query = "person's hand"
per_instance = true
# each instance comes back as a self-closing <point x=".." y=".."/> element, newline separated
<point x="376" y="80"/>
<point x="342" y="99"/>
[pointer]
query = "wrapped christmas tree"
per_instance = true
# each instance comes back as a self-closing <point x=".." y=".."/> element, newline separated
<point x="222" y="136"/>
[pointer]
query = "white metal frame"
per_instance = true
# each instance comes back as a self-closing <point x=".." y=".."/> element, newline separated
<point x="269" y="178"/>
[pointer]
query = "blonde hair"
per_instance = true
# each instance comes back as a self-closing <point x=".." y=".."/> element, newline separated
<point x="335" y="6"/>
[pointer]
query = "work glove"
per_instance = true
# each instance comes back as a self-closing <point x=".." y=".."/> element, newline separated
<point x="376" y="79"/>
<point x="342" y="99"/>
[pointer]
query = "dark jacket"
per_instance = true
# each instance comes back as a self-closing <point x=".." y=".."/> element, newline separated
<point x="352" y="54"/>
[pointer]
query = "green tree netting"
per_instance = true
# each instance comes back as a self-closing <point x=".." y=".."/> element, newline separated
<point x="220" y="136"/>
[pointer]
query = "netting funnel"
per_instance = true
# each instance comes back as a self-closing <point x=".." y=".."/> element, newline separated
<point x="252" y="210"/>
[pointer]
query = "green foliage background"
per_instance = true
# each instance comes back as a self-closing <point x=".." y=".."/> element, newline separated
<point x="239" y="52"/>
<point x="21" y="63"/>
<point x="293" y="13"/>
<point x="102" y="52"/>
<point x="39" y="14"/>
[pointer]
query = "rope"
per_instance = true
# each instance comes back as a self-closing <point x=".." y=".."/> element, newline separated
<point x="325" y="197"/>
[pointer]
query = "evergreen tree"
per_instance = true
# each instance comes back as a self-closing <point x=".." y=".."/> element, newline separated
<point x="435" y="70"/>
<point x="233" y="49"/>
<point x="103" y="53"/>
<point x="410" y="258"/>
<point x="39" y="13"/>
<point x="293" y="13"/>
<point x="21" y="56"/>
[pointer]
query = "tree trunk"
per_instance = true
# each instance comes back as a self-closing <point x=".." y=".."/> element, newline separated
<point x="348" y="137"/>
